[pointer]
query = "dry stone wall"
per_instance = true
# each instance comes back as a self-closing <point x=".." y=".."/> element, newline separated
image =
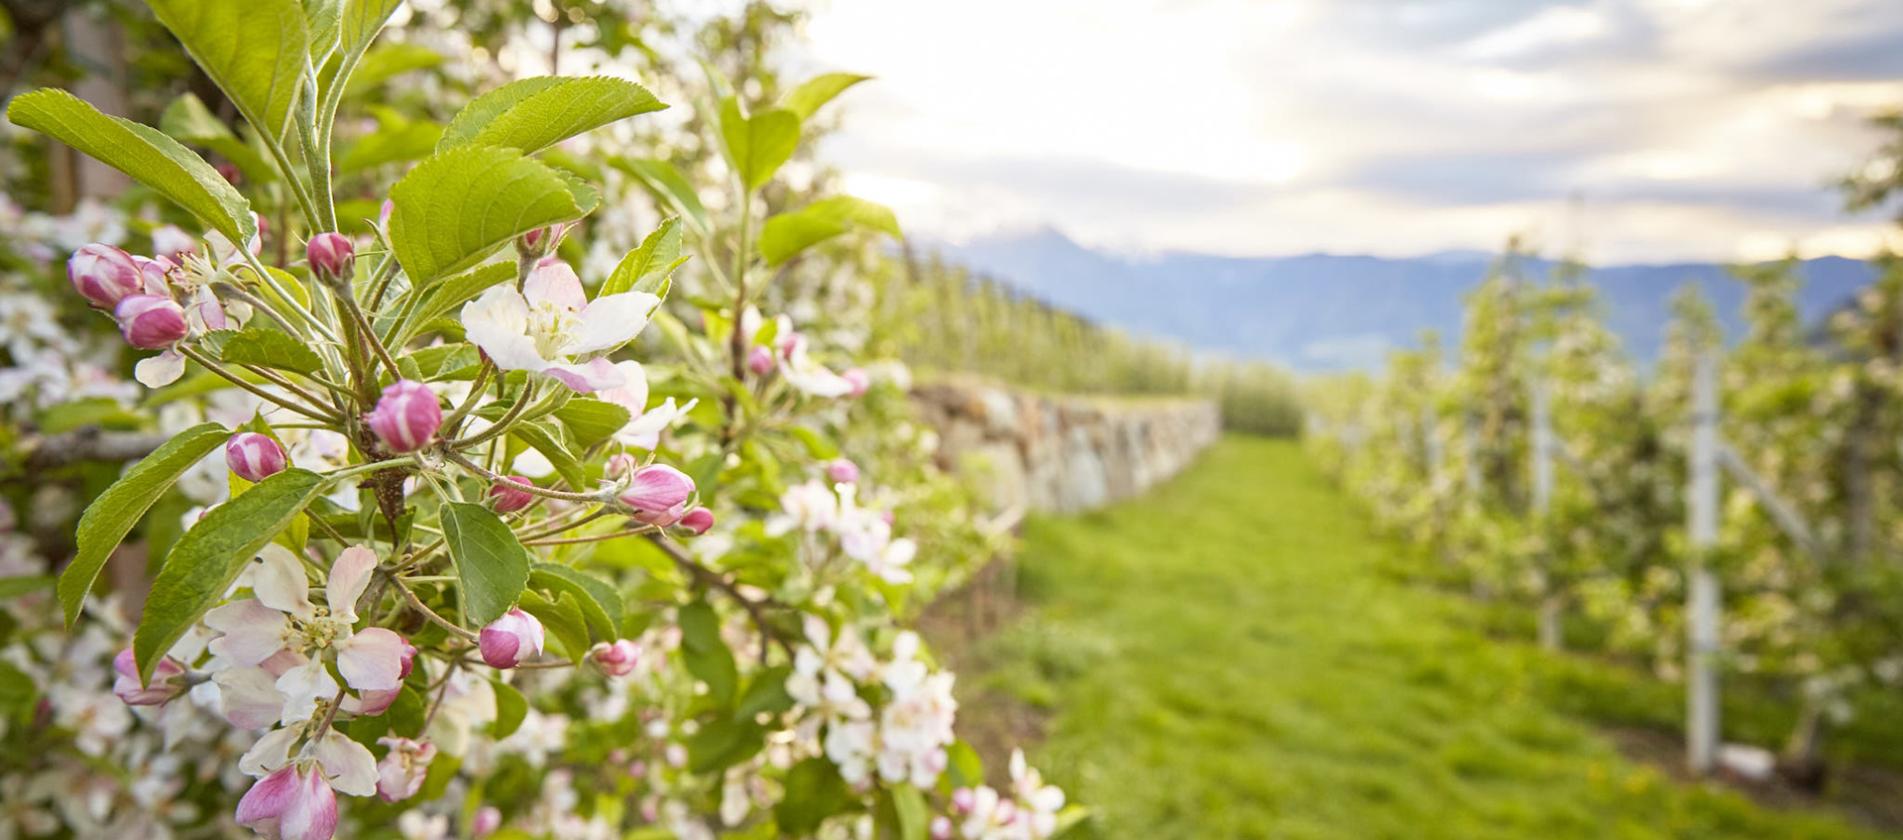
<point x="1062" y="454"/>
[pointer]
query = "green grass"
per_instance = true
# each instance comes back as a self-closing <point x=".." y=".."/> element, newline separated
<point x="1225" y="658"/>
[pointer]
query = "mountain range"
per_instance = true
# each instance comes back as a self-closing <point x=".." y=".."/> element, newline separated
<point x="1332" y="312"/>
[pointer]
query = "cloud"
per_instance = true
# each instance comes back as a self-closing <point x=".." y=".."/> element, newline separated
<point x="1691" y="128"/>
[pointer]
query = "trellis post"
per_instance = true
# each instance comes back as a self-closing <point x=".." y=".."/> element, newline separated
<point x="1701" y="627"/>
<point x="1541" y="508"/>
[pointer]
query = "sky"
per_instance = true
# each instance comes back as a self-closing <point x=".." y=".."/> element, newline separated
<point x="1617" y="131"/>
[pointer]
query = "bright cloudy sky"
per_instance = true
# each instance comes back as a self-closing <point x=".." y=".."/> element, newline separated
<point x="1627" y="130"/>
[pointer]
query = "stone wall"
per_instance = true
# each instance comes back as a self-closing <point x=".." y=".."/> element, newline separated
<point x="1062" y="454"/>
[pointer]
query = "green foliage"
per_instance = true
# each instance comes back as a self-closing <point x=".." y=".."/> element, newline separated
<point x="111" y="516"/>
<point x="757" y="145"/>
<point x="255" y="50"/>
<point x="787" y="234"/>
<point x="814" y="93"/>
<point x="533" y="114"/>
<point x="460" y="205"/>
<point x="147" y="155"/>
<point x="204" y="562"/>
<point x="646" y="267"/>
<point x="492" y="567"/>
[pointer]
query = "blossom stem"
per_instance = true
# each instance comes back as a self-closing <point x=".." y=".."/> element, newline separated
<point x="710" y="578"/>
<point x="502" y="424"/>
<point x="455" y="419"/>
<point x="418" y="605"/>
<point x="595" y="538"/>
<point x="276" y="379"/>
<point x="235" y="379"/>
<point x="373" y="466"/>
<point x="264" y="276"/>
<point x="355" y="313"/>
<point x="458" y="459"/>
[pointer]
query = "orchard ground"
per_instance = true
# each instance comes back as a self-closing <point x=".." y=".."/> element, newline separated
<point x="1231" y="656"/>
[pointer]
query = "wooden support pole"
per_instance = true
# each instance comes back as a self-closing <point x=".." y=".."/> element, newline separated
<point x="1701" y="626"/>
<point x="1540" y="510"/>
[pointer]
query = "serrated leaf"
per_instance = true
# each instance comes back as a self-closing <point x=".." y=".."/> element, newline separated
<point x="204" y="562"/>
<point x="492" y="567"/>
<point x="548" y="441"/>
<point x="757" y="145"/>
<point x="591" y="421"/>
<point x="264" y="348"/>
<point x="533" y="114"/>
<point x="458" y="206"/>
<point x="511" y="709"/>
<point x="787" y="234"/>
<point x="142" y="152"/>
<point x="706" y="654"/>
<point x="108" y="519"/>
<point x="670" y="187"/>
<point x="815" y="92"/>
<point x="255" y="50"/>
<point x="600" y="604"/>
<point x="656" y="257"/>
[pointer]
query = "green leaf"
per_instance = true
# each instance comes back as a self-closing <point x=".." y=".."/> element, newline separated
<point x="964" y="766"/>
<point x="255" y="50"/>
<point x="590" y="420"/>
<point x="264" y="348"/>
<point x="814" y="791"/>
<point x="511" y="709"/>
<point x="110" y="516"/>
<point x="11" y="587"/>
<point x="766" y="693"/>
<point x="815" y="92"/>
<point x="533" y="114"/>
<point x="670" y="187"/>
<point x="592" y="595"/>
<point x="757" y="145"/>
<point x="492" y="567"/>
<point x="547" y="440"/>
<point x="17" y="690"/>
<point x="142" y="152"/>
<point x="396" y="139"/>
<point x="103" y="412"/>
<point x="723" y="743"/>
<point x="706" y="654"/>
<point x="909" y="804"/>
<point x="563" y="619"/>
<point x="455" y="208"/>
<point x="324" y="22"/>
<point x="204" y="562"/>
<point x="188" y="121"/>
<point x="788" y="234"/>
<point x="359" y="70"/>
<point x="658" y="255"/>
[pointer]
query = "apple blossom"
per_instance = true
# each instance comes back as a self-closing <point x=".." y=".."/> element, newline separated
<point x="400" y="774"/>
<point x="645" y="425"/>
<point x="760" y="361"/>
<point x="617" y="659"/>
<point x="104" y="275"/>
<point x="658" y="494"/>
<point x="254" y="456"/>
<point x="168" y="680"/>
<point x="858" y="380"/>
<point x="510" y="639"/>
<point x="150" y="322"/>
<point x="510" y="498"/>
<point x="407" y="416"/>
<point x="551" y="322"/>
<point x="488" y="818"/>
<point x="293" y="803"/>
<point x="171" y="242"/>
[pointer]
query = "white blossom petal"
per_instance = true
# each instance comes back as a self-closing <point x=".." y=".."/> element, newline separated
<point x="347" y="765"/>
<point x="160" y="370"/>
<point x="252" y="631"/>
<point x="302" y="687"/>
<point x="610" y="321"/>
<point x="249" y="697"/>
<point x="279" y="582"/>
<point x="271" y="752"/>
<point x="349" y="576"/>
<point x="371" y="660"/>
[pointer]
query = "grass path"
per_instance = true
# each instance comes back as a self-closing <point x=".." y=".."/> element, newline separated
<point x="1224" y="658"/>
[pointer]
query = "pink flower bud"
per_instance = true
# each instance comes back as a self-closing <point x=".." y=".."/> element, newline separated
<point x="254" y="456"/>
<point x="150" y="322"/>
<point x="617" y="659"/>
<point x="230" y="172"/>
<point x="167" y="680"/>
<point x="941" y="828"/>
<point x="155" y="275"/>
<point x="842" y="471"/>
<point x="789" y="343"/>
<point x="488" y="818"/>
<point x="510" y="498"/>
<point x="859" y="380"/>
<point x="103" y="274"/>
<point x="697" y="520"/>
<point x="541" y="241"/>
<point x="658" y="494"/>
<point x="407" y="416"/>
<point x="760" y="360"/>
<point x="332" y="256"/>
<point x="293" y="803"/>
<point x="510" y="639"/>
<point x="401" y="772"/>
<point x="406" y="658"/>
